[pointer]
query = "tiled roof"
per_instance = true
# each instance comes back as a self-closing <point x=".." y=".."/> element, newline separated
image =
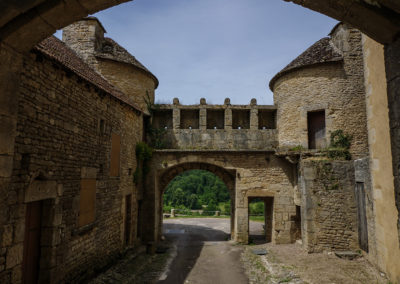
<point x="320" y="52"/>
<point x="57" y="50"/>
<point x="113" y="51"/>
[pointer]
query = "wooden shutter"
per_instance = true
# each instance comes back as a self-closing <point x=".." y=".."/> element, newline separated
<point x="316" y="130"/>
<point x="115" y="155"/>
<point x="87" y="202"/>
<point x="362" y="216"/>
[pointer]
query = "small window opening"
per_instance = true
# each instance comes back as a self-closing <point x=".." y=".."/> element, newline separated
<point x="162" y="119"/>
<point x="266" y="119"/>
<point x="215" y="119"/>
<point x="190" y="119"/>
<point x="240" y="119"/>
<point x="102" y="126"/>
<point x="316" y="129"/>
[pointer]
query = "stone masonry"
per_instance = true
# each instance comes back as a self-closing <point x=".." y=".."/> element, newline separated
<point x="328" y="76"/>
<point x="68" y="118"/>
<point x="82" y="106"/>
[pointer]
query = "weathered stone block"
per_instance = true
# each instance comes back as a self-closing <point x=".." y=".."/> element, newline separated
<point x="14" y="256"/>
<point x="41" y="190"/>
<point x="6" y="235"/>
<point x="6" y="166"/>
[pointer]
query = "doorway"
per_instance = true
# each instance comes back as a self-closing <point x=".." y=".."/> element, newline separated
<point x="316" y="129"/>
<point x="260" y="219"/>
<point x="33" y="230"/>
<point x="128" y="219"/>
<point x="362" y="217"/>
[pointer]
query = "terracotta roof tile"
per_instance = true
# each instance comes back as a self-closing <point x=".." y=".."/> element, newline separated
<point x="113" y="51"/>
<point x="57" y="50"/>
<point x="320" y="52"/>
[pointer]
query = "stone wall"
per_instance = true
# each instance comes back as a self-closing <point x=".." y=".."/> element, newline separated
<point x="336" y="87"/>
<point x="132" y="81"/>
<point x="63" y="136"/>
<point x="392" y="62"/>
<point x="328" y="205"/>
<point x="382" y="165"/>
<point x="198" y="134"/>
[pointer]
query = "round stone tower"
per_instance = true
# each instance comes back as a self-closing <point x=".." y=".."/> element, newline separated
<point x="112" y="61"/>
<point x="321" y="91"/>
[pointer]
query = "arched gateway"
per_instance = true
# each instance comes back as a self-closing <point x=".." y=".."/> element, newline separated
<point x="236" y="144"/>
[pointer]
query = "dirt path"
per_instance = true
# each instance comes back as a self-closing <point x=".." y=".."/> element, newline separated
<point x="203" y="253"/>
<point x="199" y="251"/>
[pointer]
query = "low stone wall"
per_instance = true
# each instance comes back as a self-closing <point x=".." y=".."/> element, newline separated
<point x="218" y="139"/>
<point x="328" y="205"/>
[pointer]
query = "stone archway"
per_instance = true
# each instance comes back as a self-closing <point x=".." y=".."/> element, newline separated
<point x="226" y="175"/>
<point x="25" y="23"/>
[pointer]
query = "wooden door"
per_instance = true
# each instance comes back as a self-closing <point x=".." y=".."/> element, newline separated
<point x="139" y="220"/>
<point x="31" y="258"/>
<point x="316" y="130"/>
<point x="362" y="216"/>
<point x="128" y="218"/>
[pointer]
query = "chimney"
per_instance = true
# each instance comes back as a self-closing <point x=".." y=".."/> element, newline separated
<point x="85" y="37"/>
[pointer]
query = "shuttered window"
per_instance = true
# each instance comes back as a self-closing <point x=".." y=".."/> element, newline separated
<point x="87" y="202"/>
<point x="115" y="155"/>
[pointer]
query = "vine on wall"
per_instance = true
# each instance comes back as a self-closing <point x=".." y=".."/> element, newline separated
<point x="143" y="156"/>
<point x="339" y="146"/>
<point x="156" y="136"/>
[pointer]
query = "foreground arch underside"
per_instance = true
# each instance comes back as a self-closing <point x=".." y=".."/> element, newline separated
<point x="25" y="23"/>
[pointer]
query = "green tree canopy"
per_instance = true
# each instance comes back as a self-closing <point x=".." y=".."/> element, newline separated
<point x="195" y="188"/>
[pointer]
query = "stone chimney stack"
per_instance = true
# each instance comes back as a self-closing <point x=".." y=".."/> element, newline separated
<point x="85" y="37"/>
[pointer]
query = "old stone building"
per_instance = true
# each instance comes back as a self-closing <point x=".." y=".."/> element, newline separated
<point x="72" y="206"/>
<point x="320" y="92"/>
<point x="63" y="125"/>
<point x="324" y="85"/>
<point x="281" y="154"/>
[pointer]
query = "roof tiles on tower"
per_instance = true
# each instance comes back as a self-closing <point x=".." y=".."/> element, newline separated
<point x="320" y="52"/>
<point x="57" y="50"/>
<point x="113" y="51"/>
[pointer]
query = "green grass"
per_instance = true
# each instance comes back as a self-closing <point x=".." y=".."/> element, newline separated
<point x="198" y="216"/>
<point x="257" y="219"/>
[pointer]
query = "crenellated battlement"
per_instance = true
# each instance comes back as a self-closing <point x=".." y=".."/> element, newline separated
<point x="217" y="127"/>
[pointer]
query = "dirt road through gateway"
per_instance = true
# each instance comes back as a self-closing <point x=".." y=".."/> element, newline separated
<point x="203" y="253"/>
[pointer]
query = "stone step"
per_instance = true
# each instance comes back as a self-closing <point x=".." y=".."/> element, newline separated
<point x="347" y="254"/>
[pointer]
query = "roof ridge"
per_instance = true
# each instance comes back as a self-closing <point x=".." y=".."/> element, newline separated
<point x="57" y="50"/>
<point x="322" y="51"/>
<point x="121" y="54"/>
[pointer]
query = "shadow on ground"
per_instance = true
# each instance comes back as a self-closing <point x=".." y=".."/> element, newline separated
<point x="189" y="240"/>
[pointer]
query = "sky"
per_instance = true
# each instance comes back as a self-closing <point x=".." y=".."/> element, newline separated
<point x="214" y="49"/>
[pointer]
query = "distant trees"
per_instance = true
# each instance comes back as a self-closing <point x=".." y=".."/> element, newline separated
<point x="195" y="188"/>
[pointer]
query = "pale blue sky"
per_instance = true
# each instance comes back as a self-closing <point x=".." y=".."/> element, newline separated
<point x="214" y="48"/>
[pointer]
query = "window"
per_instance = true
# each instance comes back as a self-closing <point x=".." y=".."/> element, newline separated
<point x="162" y="119"/>
<point x="115" y="155"/>
<point x="316" y="129"/>
<point x="87" y="202"/>
<point x="102" y="126"/>
<point x="189" y="119"/>
<point x="240" y="118"/>
<point x="215" y="119"/>
<point x="266" y="119"/>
